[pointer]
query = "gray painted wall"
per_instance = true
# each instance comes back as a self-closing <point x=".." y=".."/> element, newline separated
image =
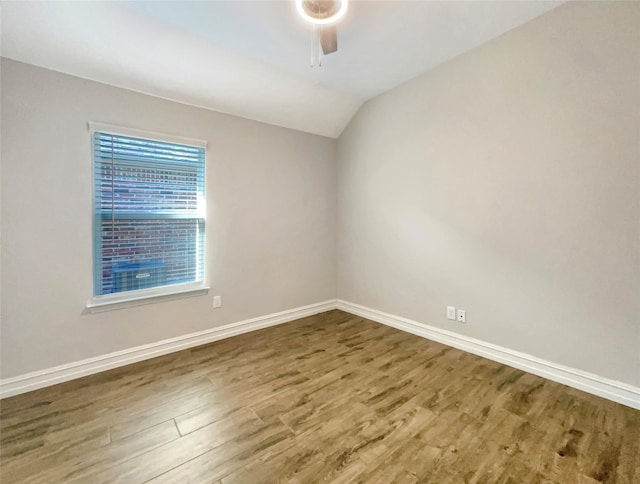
<point x="507" y="182"/>
<point x="270" y="219"/>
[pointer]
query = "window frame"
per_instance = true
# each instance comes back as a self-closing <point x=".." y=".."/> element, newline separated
<point x="107" y="302"/>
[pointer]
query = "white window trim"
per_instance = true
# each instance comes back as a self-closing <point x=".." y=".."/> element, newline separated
<point x="111" y="302"/>
<point x="141" y="297"/>
<point x="138" y="133"/>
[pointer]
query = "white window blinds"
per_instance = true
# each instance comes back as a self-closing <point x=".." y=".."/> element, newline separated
<point x="148" y="213"/>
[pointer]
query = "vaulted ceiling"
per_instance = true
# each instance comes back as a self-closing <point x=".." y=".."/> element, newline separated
<point x="251" y="58"/>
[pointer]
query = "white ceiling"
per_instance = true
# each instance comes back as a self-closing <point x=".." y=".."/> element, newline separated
<point x="251" y="58"/>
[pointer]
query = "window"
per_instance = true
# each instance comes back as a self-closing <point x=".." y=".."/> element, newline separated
<point x="148" y="215"/>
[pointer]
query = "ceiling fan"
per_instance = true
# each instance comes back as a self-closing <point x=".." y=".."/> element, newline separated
<point x="323" y="16"/>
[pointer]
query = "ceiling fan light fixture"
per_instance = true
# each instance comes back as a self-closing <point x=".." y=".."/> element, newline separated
<point x="318" y="12"/>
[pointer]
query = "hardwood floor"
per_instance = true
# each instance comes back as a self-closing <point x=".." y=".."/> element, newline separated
<point x="329" y="398"/>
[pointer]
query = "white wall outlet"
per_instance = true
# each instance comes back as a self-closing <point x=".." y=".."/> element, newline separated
<point x="217" y="301"/>
<point x="451" y="313"/>
<point x="462" y="316"/>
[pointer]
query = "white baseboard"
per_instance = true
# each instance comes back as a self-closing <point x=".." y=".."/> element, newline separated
<point x="610" y="389"/>
<point x="70" y="371"/>
<point x="603" y="387"/>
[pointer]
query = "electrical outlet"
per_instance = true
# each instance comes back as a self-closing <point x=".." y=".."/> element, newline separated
<point x="462" y="316"/>
<point x="217" y="301"/>
<point x="451" y="313"/>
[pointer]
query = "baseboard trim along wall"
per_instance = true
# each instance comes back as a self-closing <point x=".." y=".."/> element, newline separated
<point x="71" y="371"/>
<point x="588" y="382"/>
<point x="603" y="387"/>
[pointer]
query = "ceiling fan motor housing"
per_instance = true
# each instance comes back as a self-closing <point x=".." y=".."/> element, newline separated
<point x="321" y="9"/>
<point x="322" y="12"/>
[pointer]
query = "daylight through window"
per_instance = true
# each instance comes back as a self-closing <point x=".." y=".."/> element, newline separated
<point x="148" y="213"/>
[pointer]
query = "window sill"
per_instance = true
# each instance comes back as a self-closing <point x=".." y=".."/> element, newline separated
<point x="102" y="305"/>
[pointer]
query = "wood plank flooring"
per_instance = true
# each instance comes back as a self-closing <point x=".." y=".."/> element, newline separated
<point x="329" y="398"/>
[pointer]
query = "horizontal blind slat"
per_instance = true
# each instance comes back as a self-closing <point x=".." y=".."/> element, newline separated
<point x="134" y="161"/>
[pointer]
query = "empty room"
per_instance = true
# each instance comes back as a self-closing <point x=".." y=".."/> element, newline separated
<point x="301" y="241"/>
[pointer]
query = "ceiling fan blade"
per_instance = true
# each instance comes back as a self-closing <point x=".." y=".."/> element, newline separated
<point x="328" y="39"/>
